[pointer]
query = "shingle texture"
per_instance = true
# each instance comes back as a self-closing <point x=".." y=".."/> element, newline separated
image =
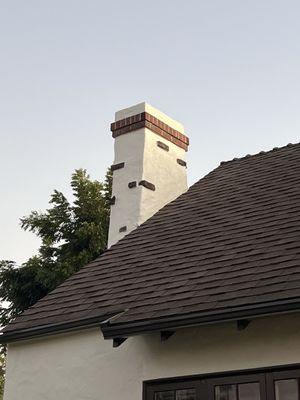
<point x="232" y="240"/>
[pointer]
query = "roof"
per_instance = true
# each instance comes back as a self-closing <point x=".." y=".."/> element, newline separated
<point x="227" y="248"/>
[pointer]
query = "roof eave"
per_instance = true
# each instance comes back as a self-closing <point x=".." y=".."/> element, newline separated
<point x="54" y="329"/>
<point x="111" y="329"/>
<point x="114" y="330"/>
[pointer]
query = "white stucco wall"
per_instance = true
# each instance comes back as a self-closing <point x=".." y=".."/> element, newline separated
<point x="84" y="366"/>
<point x="128" y="148"/>
<point x="161" y="168"/>
<point x="144" y="160"/>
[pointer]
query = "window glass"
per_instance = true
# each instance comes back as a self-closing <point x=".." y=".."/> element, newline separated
<point x="186" y="394"/>
<point x="225" y="392"/>
<point x="287" y="389"/>
<point x="278" y="385"/>
<point x="166" y="395"/>
<point x="249" y="391"/>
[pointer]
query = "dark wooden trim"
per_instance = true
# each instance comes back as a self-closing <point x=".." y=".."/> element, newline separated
<point x="118" y="341"/>
<point x="286" y="374"/>
<point x="54" y="329"/>
<point x="147" y="185"/>
<point x="242" y="324"/>
<point x="205" y="383"/>
<point x="162" y="145"/>
<point x="181" y="162"/>
<point x="259" y="378"/>
<point x="270" y="386"/>
<point x="183" y="384"/>
<point x="132" y="184"/>
<point x="279" y="375"/>
<point x="165" y="335"/>
<point x="234" y="372"/>
<point x="188" y="320"/>
<point x="117" y="166"/>
<point x="111" y="330"/>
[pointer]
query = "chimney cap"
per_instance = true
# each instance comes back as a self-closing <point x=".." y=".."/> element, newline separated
<point x="145" y="107"/>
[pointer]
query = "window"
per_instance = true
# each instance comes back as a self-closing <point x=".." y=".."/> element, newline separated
<point x="244" y="387"/>
<point x="268" y="385"/>
<point x="287" y="389"/>
<point x="286" y="385"/>
<point x="243" y="391"/>
<point x="180" y="394"/>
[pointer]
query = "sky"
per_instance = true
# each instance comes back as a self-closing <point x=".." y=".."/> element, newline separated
<point x="228" y="70"/>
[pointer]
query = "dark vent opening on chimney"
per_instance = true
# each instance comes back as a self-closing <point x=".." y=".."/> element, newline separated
<point x="147" y="185"/>
<point x="162" y="145"/>
<point x="123" y="229"/>
<point x="181" y="162"/>
<point x="132" y="184"/>
<point x="117" y="166"/>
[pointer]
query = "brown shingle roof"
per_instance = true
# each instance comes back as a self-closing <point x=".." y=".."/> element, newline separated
<point x="231" y="242"/>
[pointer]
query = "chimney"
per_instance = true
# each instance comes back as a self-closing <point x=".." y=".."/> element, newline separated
<point x="149" y="167"/>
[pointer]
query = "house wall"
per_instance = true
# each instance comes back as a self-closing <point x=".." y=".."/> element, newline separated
<point x="84" y="366"/>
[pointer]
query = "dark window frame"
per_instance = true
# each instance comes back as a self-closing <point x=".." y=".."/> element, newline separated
<point x="239" y="379"/>
<point x="205" y="383"/>
<point x="271" y="377"/>
<point x="180" y="384"/>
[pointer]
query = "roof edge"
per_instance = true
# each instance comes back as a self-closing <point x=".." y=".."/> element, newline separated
<point x="111" y="331"/>
<point x="54" y="329"/>
<point x="262" y="152"/>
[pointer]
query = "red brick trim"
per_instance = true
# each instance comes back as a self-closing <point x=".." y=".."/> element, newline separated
<point x="146" y="120"/>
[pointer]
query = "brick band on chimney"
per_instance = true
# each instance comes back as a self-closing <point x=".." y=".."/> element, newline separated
<point x="146" y="120"/>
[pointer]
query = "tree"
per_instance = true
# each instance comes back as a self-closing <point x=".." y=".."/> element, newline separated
<point x="72" y="234"/>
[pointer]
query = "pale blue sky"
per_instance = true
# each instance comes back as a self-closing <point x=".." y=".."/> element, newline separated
<point x="228" y="70"/>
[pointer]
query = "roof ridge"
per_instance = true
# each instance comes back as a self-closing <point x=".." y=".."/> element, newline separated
<point x="262" y="152"/>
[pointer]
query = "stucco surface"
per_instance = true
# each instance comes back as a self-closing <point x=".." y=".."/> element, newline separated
<point x="144" y="160"/>
<point x="125" y="212"/>
<point x="84" y="366"/>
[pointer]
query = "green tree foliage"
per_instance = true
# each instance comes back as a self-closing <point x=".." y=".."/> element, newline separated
<point x="72" y="234"/>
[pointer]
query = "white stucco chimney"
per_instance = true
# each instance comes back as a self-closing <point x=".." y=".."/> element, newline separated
<point x="149" y="167"/>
